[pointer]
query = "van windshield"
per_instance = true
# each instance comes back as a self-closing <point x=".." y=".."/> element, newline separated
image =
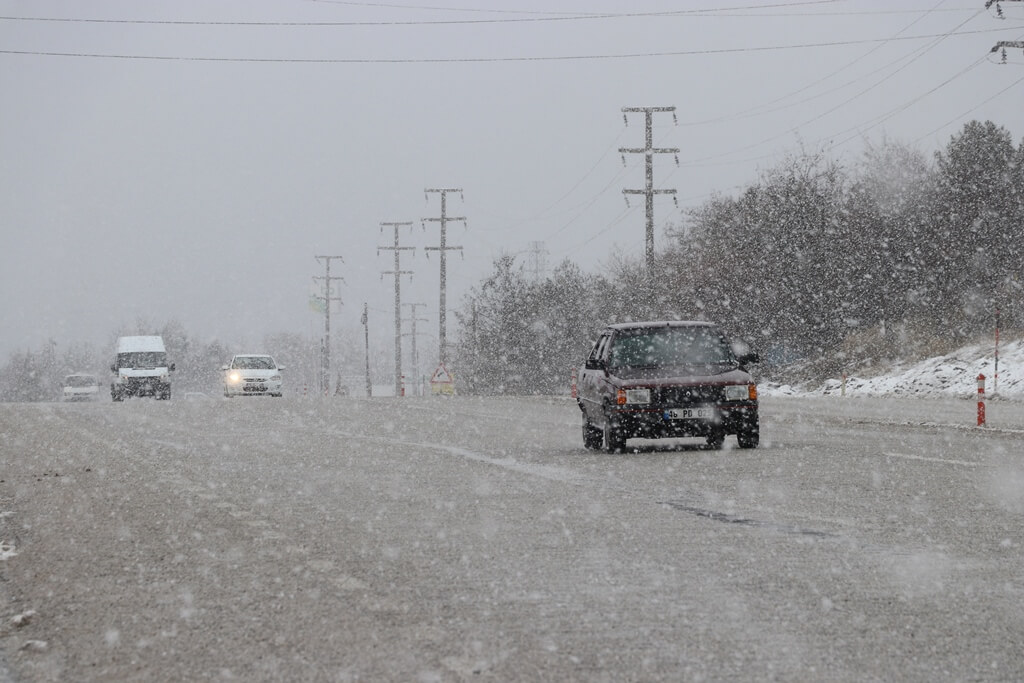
<point x="142" y="359"/>
<point x="654" y="347"/>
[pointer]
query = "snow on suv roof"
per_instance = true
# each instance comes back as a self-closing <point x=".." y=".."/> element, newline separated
<point x="660" y="323"/>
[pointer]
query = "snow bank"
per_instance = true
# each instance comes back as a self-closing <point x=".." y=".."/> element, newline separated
<point x="954" y="375"/>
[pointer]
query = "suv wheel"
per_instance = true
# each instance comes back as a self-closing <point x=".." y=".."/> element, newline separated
<point x="592" y="436"/>
<point x="749" y="433"/>
<point x="614" y="439"/>
<point x="748" y="438"/>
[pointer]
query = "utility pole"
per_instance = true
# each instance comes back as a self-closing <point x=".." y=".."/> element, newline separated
<point x="365" y="320"/>
<point x="415" y="356"/>
<point x="648" y="151"/>
<point x="443" y="248"/>
<point x="325" y="371"/>
<point x="398" y="273"/>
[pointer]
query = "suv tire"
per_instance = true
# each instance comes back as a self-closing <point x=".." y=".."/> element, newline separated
<point x="614" y="439"/>
<point x="592" y="436"/>
<point x="748" y="438"/>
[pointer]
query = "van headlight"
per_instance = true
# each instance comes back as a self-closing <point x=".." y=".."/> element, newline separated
<point x="741" y="392"/>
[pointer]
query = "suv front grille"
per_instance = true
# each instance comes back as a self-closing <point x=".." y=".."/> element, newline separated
<point x="692" y="395"/>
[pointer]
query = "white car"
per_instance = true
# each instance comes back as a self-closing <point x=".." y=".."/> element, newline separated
<point x="80" y="387"/>
<point x="252" y="374"/>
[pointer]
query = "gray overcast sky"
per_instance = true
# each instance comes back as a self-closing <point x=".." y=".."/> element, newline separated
<point x="186" y="160"/>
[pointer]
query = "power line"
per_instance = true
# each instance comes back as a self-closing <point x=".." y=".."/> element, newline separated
<point x="977" y="106"/>
<point x="767" y="107"/>
<point x="537" y="215"/>
<point x="545" y="17"/>
<point x="487" y="60"/>
<point x="920" y="52"/>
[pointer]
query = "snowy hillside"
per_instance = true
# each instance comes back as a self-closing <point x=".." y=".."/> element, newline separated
<point x="951" y="376"/>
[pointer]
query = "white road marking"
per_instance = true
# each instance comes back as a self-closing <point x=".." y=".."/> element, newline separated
<point x="944" y="461"/>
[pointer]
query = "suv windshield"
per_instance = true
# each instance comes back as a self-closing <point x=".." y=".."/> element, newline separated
<point x="652" y="347"/>
<point x="79" y="381"/>
<point x="142" y="359"/>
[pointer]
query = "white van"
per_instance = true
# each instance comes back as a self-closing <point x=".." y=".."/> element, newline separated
<point x="142" y="369"/>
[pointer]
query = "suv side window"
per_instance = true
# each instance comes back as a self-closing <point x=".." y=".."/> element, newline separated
<point x="598" y="351"/>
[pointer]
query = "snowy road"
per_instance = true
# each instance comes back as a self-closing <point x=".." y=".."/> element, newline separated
<point x="475" y="539"/>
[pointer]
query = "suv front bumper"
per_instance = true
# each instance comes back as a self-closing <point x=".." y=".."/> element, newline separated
<point x="652" y="422"/>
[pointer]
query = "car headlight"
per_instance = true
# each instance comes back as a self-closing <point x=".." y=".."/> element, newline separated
<point x="233" y="377"/>
<point x="633" y="396"/>
<point x="741" y="392"/>
<point x="275" y="378"/>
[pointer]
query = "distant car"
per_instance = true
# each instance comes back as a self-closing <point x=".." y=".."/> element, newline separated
<point x="196" y="396"/>
<point x="667" y="379"/>
<point x="80" y="387"/>
<point x="252" y="374"/>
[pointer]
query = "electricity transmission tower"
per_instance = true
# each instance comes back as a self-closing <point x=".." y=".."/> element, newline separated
<point x="398" y="273"/>
<point x="412" y="335"/>
<point x="1003" y="44"/>
<point x="538" y="260"/>
<point x="649" y="151"/>
<point x="999" y="10"/>
<point x="325" y="371"/>
<point x="443" y="248"/>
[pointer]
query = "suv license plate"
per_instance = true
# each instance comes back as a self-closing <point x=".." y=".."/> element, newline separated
<point x="702" y="413"/>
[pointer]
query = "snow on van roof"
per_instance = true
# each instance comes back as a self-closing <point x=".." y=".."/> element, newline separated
<point x="143" y="343"/>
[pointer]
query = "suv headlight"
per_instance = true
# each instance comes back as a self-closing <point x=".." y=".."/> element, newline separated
<point x="633" y="396"/>
<point x="741" y="392"/>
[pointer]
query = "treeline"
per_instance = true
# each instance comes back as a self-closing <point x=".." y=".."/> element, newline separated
<point x="814" y="261"/>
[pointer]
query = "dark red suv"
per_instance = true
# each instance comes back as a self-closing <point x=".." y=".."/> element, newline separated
<point x="667" y="379"/>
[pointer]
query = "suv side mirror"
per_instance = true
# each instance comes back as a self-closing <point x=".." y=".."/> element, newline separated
<point x="744" y="355"/>
<point x="171" y="368"/>
<point x="595" y="364"/>
<point x="281" y="367"/>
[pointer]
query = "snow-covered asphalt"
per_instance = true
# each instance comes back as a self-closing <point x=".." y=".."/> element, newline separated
<point x="436" y="539"/>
